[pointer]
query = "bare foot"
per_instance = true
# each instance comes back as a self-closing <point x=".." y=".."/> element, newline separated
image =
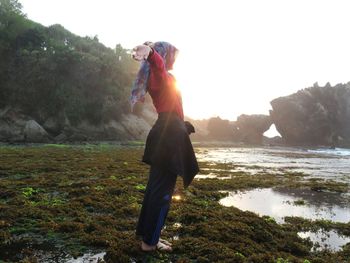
<point x="147" y="248"/>
<point x="166" y="242"/>
<point x="164" y="245"/>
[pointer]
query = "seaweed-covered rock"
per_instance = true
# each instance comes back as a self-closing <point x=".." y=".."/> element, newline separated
<point x="314" y="116"/>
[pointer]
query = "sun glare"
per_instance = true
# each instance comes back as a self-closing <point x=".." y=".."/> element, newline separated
<point x="177" y="197"/>
<point x="200" y="88"/>
<point x="188" y="83"/>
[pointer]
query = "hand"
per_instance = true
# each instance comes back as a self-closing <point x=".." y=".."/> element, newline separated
<point x="189" y="127"/>
<point x="141" y="52"/>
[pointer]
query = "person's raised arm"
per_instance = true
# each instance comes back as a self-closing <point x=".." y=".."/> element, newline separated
<point x="141" y="52"/>
<point x="156" y="62"/>
<point x="157" y="66"/>
<point x="145" y="52"/>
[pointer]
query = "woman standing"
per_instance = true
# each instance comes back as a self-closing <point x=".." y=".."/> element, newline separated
<point x="168" y="149"/>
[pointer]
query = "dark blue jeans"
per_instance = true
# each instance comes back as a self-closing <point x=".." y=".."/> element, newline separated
<point x="155" y="205"/>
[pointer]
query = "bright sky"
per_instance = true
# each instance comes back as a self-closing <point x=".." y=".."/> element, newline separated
<point x="235" y="55"/>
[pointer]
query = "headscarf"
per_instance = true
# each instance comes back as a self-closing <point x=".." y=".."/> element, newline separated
<point x="139" y="89"/>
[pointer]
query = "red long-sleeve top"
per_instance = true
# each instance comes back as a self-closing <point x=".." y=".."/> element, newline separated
<point x="162" y="87"/>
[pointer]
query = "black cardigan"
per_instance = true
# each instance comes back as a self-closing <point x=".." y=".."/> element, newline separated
<point x="168" y="146"/>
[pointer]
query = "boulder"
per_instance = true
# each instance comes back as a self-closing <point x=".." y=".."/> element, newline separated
<point x="15" y="126"/>
<point x="115" y="131"/>
<point x="62" y="137"/>
<point x="74" y="134"/>
<point x="146" y="110"/>
<point x="137" y="128"/>
<point x="87" y="131"/>
<point x="149" y="115"/>
<point x="78" y="137"/>
<point x="10" y="132"/>
<point x="33" y="132"/>
<point x="12" y="122"/>
<point x="52" y="125"/>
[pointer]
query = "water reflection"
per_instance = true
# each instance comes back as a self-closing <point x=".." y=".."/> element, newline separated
<point x="205" y="176"/>
<point x="212" y="176"/>
<point x="88" y="258"/>
<point x="279" y="203"/>
<point x="282" y="202"/>
<point x="330" y="240"/>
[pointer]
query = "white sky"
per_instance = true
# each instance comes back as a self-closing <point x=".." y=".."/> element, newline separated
<point x="235" y="55"/>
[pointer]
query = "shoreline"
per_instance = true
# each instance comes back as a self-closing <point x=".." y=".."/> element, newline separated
<point x="195" y="144"/>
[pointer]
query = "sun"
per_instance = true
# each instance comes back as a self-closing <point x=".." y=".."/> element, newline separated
<point x="198" y="95"/>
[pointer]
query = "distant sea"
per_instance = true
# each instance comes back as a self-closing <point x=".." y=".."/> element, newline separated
<point x="316" y="162"/>
<point x="336" y="151"/>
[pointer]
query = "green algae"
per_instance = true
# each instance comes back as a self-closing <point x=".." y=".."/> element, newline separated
<point x="57" y="145"/>
<point x="72" y="199"/>
<point x="299" y="202"/>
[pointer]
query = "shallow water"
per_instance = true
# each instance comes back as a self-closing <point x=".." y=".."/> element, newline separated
<point x="330" y="240"/>
<point x="324" y="163"/>
<point x="335" y="151"/>
<point x="88" y="258"/>
<point x="211" y="176"/>
<point x="279" y="203"/>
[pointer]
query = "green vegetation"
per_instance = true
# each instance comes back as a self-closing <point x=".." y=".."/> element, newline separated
<point x="299" y="202"/>
<point x="68" y="201"/>
<point x="28" y="191"/>
<point x="66" y="75"/>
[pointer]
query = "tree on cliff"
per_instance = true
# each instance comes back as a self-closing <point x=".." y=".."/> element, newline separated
<point x="50" y="72"/>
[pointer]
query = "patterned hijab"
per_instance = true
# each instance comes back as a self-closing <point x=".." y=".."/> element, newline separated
<point x="139" y="89"/>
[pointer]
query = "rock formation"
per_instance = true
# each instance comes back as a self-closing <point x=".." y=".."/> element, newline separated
<point x="247" y="129"/>
<point x="250" y="128"/>
<point x="219" y="129"/>
<point x="17" y="127"/>
<point x="314" y="116"/>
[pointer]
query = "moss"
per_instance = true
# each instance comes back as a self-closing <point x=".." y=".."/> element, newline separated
<point x="84" y="197"/>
